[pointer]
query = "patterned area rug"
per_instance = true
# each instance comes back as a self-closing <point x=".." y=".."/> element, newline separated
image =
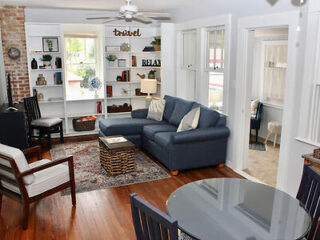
<point x="257" y="146"/>
<point x="90" y="175"/>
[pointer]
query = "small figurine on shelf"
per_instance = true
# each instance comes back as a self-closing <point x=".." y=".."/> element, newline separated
<point x="41" y="80"/>
<point x="142" y="76"/>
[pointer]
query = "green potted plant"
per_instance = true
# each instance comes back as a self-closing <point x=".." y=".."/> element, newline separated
<point x="46" y="60"/>
<point x="156" y="43"/>
<point x="111" y="58"/>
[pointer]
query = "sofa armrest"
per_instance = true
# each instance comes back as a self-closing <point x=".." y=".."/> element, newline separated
<point x="139" y="113"/>
<point x="201" y="134"/>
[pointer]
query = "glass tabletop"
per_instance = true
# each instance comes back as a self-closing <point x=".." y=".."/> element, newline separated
<point x="227" y="208"/>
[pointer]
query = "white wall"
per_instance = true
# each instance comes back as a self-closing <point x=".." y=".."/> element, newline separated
<point x="290" y="169"/>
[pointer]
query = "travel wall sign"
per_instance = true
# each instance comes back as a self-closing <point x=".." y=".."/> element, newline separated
<point x="127" y="33"/>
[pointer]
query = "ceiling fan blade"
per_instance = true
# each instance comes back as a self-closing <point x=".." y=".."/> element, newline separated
<point x="98" y="18"/>
<point x="160" y="18"/>
<point x="113" y="19"/>
<point x="142" y="19"/>
<point x="154" y="14"/>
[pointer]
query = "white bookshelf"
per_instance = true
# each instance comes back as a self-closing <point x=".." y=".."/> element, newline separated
<point x="67" y="109"/>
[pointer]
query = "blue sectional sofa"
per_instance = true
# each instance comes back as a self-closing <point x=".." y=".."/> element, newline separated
<point x="204" y="146"/>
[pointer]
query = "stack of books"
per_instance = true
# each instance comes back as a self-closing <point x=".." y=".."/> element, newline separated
<point x="125" y="77"/>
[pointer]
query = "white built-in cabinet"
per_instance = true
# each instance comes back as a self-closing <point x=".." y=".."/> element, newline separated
<point x="55" y="103"/>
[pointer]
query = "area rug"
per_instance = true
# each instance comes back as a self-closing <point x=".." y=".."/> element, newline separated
<point x="90" y="175"/>
<point x="257" y="146"/>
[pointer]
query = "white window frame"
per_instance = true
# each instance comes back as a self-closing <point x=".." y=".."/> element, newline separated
<point x="201" y="25"/>
<point x="207" y="55"/>
<point x="262" y="66"/>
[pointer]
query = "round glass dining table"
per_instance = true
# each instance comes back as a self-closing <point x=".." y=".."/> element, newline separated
<point x="228" y="208"/>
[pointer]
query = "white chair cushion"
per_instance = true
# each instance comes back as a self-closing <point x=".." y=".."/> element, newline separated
<point x="44" y="180"/>
<point x="46" y="122"/>
<point x="19" y="159"/>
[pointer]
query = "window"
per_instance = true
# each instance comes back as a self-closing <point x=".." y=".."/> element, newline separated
<point x="82" y="67"/>
<point x="215" y="65"/>
<point x="274" y="73"/>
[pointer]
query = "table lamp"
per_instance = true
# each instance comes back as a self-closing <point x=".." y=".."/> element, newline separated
<point x="148" y="86"/>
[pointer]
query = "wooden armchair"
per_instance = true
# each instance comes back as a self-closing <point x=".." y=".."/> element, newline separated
<point x="28" y="183"/>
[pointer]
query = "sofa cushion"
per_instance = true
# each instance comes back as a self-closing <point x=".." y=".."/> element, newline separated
<point x="19" y="159"/>
<point x="124" y="126"/>
<point x="151" y="130"/>
<point x="168" y="109"/>
<point x="208" y="117"/>
<point x="181" y="108"/>
<point x="190" y="120"/>
<point x="45" y="180"/>
<point x="163" y="138"/>
<point x="156" y="109"/>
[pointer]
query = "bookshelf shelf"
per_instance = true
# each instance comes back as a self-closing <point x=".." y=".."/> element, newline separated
<point x="67" y="109"/>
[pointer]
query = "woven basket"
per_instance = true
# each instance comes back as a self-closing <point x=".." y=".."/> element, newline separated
<point x="117" y="162"/>
<point x="84" y="125"/>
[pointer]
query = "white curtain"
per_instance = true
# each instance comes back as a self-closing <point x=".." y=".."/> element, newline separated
<point x="274" y="73"/>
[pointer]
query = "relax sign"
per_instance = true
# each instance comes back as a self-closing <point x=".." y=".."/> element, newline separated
<point x="127" y="33"/>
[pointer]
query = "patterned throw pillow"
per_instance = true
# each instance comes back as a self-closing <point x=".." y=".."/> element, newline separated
<point x="156" y="109"/>
<point x="190" y="120"/>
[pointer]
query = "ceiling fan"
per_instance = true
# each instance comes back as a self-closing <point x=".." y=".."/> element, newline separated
<point x="131" y="13"/>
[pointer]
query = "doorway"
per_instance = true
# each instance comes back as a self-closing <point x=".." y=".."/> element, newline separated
<point x="239" y="142"/>
<point x="268" y="75"/>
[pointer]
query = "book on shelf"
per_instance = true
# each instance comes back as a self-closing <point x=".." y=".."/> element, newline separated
<point x="57" y="78"/>
<point x="125" y="77"/>
<point x="134" y="61"/>
<point x="109" y="91"/>
<point x="99" y="107"/>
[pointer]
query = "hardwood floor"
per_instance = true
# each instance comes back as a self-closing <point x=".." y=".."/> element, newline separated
<point x="101" y="214"/>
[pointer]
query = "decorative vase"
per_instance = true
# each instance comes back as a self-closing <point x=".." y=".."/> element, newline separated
<point x="58" y="62"/>
<point x="157" y="47"/>
<point x="111" y="63"/>
<point x="34" y="64"/>
<point x="151" y="74"/>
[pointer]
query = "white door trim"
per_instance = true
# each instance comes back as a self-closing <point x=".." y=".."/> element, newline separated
<point x="241" y="121"/>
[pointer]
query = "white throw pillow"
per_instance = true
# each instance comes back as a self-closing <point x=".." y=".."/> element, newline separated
<point x="156" y="109"/>
<point x="190" y="120"/>
<point x="254" y="107"/>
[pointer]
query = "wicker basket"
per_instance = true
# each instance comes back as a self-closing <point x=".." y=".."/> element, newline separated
<point x="84" y="125"/>
<point x="117" y="162"/>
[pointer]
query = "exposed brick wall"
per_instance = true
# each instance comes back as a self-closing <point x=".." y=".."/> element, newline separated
<point x="12" y="21"/>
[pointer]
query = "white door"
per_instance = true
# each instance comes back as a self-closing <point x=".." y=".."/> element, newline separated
<point x="188" y="66"/>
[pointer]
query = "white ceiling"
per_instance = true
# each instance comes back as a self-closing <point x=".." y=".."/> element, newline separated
<point x="144" y="5"/>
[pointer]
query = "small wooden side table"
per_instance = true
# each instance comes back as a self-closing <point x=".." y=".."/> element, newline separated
<point x="117" y="158"/>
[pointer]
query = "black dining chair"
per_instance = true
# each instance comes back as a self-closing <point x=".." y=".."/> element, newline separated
<point x="45" y="126"/>
<point x="309" y="196"/>
<point x="152" y="224"/>
<point x="255" y="121"/>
